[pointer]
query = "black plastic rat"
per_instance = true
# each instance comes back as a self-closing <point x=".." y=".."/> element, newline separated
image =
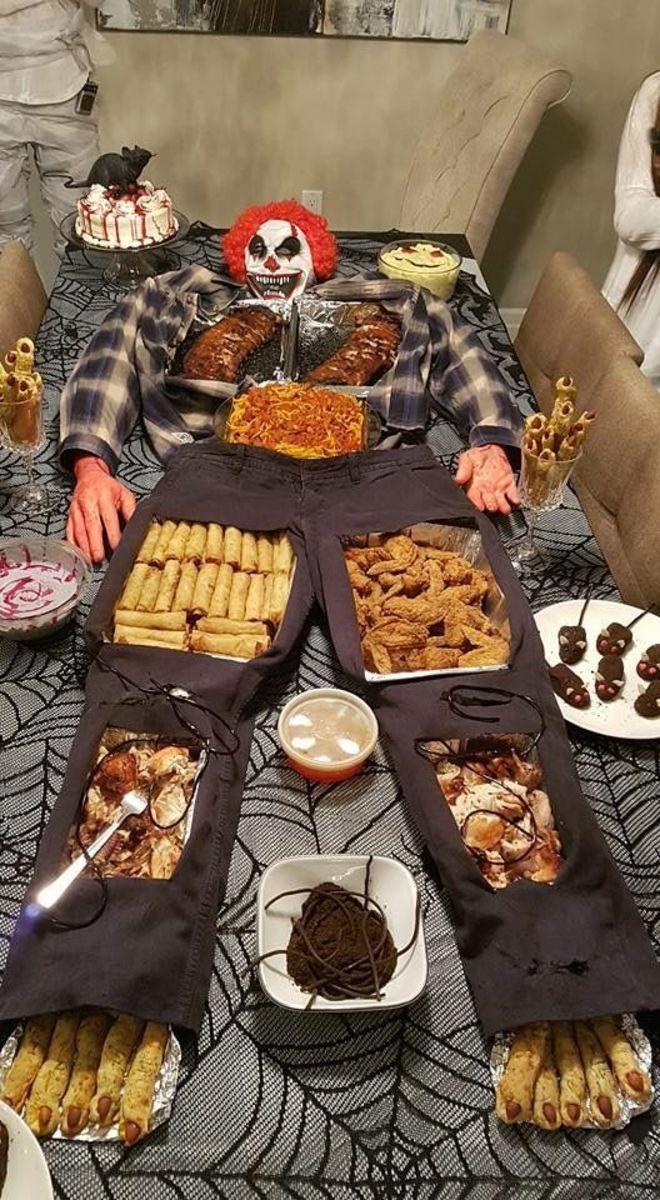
<point x="116" y="170"/>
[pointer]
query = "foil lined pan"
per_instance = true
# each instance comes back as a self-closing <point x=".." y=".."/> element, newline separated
<point x="323" y="327"/>
<point x="499" y="1057"/>
<point x="265" y="363"/>
<point x="164" y="1090"/>
<point x="468" y="543"/>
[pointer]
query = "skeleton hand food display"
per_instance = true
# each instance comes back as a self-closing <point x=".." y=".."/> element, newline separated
<point x="279" y="249"/>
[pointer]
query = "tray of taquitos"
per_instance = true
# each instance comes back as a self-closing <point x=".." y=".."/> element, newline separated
<point x="89" y="1075"/>
<point x="205" y="588"/>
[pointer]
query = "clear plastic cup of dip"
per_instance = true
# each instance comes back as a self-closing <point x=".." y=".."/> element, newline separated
<point x="327" y="734"/>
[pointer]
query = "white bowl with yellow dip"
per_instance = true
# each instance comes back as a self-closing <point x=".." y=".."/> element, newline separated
<point x="429" y="264"/>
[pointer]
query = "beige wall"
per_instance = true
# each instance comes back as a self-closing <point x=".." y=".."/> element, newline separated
<point x="238" y="121"/>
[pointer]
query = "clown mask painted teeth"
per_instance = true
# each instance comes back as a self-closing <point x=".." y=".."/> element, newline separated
<point x="278" y="261"/>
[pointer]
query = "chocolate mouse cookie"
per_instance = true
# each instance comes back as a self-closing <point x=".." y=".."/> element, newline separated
<point x="569" y="686"/>
<point x="614" y="639"/>
<point x="572" y="643"/>
<point x="648" y="704"/>
<point x="648" y="666"/>
<point x="610" y="677"/>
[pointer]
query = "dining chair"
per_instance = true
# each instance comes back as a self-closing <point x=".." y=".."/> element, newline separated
<point x="569" y="329"/>
<point x="22" y="296"/>
<point x="471" y="148"/>
<point x="618" y="482"/>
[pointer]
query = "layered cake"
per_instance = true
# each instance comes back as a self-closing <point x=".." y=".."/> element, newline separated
<point x="137" y="215"/>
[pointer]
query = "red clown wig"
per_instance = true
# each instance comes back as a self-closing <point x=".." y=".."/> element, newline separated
<point x="321" y="241"/>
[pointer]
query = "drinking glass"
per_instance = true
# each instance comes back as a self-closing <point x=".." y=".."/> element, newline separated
<point x="542" y="486"/>
<point x="22" y="432"/>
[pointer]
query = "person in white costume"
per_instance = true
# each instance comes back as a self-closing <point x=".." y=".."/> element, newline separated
<point x="46" y="49"/>
<point x="632" y="286"/>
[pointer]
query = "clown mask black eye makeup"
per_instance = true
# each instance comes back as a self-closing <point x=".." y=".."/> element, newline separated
<point x="257" y="246"/>
<point x="289" y="247"/>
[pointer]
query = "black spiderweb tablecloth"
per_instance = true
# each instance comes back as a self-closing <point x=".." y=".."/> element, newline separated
<point x="278" y="1104"/>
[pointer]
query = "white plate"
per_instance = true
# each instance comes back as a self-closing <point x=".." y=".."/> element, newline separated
<point x="618" y="717"/>
<point x="28" y="1177"/>
<point x="391" y="884"/>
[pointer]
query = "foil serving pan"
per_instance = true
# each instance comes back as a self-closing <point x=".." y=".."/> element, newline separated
<point x="469" y="544"/>
<point x="265" y="363"/>
<point x="499" y="1057"/>
<point x="323" y="327"/>
<point x="164" y="1090"/>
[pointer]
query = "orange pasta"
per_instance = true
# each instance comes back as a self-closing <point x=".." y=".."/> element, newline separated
<point x="298" y="419"/>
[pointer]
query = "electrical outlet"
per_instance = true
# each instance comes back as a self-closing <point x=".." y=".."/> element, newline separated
<point x="313" y="201"/>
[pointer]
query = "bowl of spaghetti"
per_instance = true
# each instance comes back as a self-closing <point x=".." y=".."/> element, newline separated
<point x="298" y="419"/>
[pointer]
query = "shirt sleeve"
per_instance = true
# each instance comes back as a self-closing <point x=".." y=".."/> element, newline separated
<point x="637" y="207"/>
<point x="468" y="385"/>
<point x="101" y="400"/>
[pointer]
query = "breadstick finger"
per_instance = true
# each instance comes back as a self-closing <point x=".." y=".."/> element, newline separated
<point x="115" y="1057"/>
<point x="138" y="1096"/>
<point x="515" y="1091"/>
<point x="31" y="1054"/>
<point x="82" y="1084"/>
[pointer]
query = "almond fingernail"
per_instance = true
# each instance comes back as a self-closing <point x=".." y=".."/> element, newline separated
<point x="73" y="1117"/>
<point x="550" y="1113"/>
<point x="132" y="1132"/>
<point x="45" y="1114"/>
<point x="605" y="1105"/>
<point x="573" y="1111"/>
<point x="635" y="1080"/>
<point x="512" y="1109"/>
<point x="104" y="1107"/>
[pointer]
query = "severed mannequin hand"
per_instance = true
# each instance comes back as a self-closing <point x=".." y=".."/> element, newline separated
<point x="100" y="505"/>
<point x="486" y="474"/>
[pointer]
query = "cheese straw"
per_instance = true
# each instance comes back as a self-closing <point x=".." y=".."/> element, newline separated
<point x="168" y="581"/>
<point x="138" y="1095"/>
<point x="535" y="423"/>
<point x="186" y="589"/>
<point x="24" y="356"/>
<point x="214" y="543"/>
<point x="31" y="1054"/>
<point x="565" y="388"/>
<point x="43" y="1105"/>
<point x="149" y="544"/>
<point x="248" y="552"/>
<point x="562" y="415"/>
<point x="264" y="554"/>
<point x="238" y="595"/>
<point x="149" y="591"/>
<point x="254" y="604"/>
<point x="148" y="620"/>
<point x="158" y="553"/>
<point x="233" y="540"/>
<point x="204" y="588"/>
<point x="134" y="585"/>
<point x="178" y="541"/>
<point x="219" y="605"/>
<point x="196" y="542"/>
<point x="82" y="1084"/>
<point x="116" y="1055"/>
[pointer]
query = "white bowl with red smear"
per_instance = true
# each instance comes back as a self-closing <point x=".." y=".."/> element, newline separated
<point x="42" y="581"/>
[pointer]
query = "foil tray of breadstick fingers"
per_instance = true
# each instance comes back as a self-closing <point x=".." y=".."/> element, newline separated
<point x="207" y="588"/>
<point x="593" y="1074"/>
<point x="90" y="1076"/>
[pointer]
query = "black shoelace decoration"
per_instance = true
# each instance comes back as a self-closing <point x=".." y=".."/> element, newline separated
<point x="223" y="744"/>
<point x="340" y="946"/>
<point x="460" y="698"/>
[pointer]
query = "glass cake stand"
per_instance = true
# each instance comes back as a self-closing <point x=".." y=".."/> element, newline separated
<point x="129" y="264"/>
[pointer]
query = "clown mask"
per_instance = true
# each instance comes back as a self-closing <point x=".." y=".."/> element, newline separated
<point x="278" y="261"/>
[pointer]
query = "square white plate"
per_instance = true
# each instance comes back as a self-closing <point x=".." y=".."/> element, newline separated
<point x="391" y="884"/>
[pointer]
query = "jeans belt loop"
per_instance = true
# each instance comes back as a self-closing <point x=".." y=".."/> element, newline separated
<point x="238" y="460"/>
<point x="353" y="469"/>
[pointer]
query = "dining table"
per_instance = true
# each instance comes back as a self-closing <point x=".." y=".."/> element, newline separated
<point x="279" y="1103"/>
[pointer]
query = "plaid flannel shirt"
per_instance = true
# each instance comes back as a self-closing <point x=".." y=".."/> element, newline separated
<point x="124" y="371"/>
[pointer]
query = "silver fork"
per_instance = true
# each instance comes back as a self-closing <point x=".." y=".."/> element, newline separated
<point x="132" y="805"/>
